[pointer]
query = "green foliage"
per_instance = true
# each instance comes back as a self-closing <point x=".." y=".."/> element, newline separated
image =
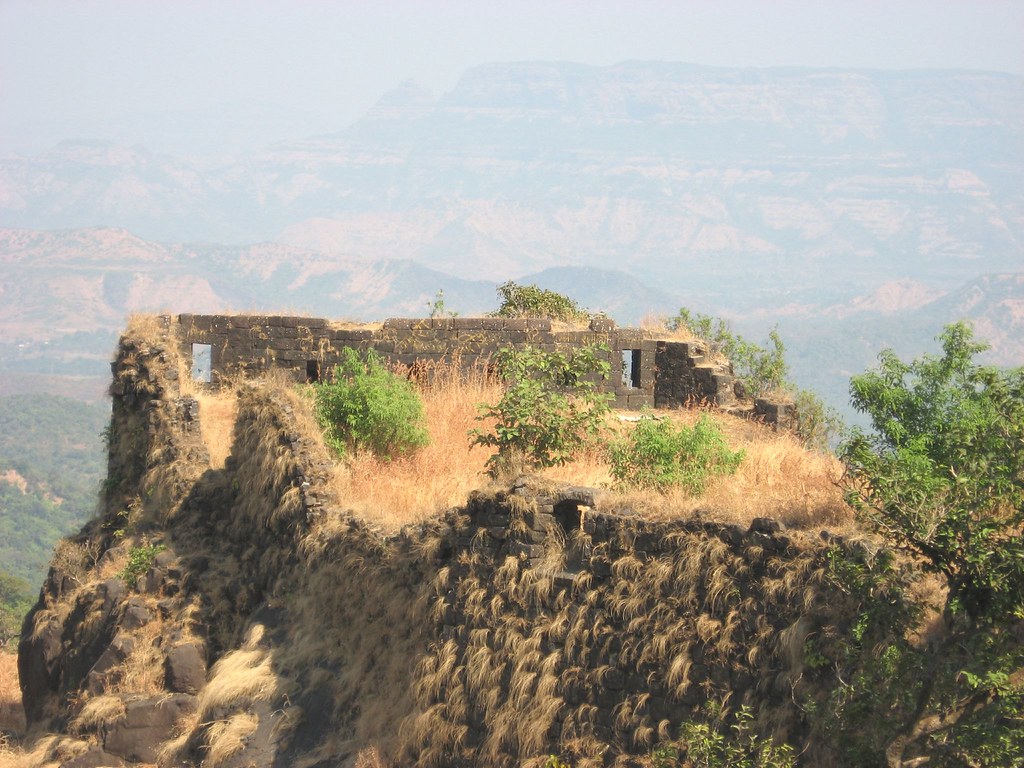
<point x="54" y="444"/>
<point x="140" y="560"/>
<point x="657" y="454"/>
<point x="531" y="301"/>
<point x="704" y="746"/>
<point x="438" y="308"/>
<point x="16" y="598"/>
<point x="554" y="761"/>
<point x="942" y="476"/>
<point x="875" y="671"/>
<point x="817" y="425"/>
<point x="365" y="405"/>
<point x="762" y="369"/>
<point x="551" y="406"/>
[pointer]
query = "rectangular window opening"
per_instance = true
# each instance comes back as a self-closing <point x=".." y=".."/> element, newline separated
<point x="631" y="368"/>
<point x="202" y="362"/>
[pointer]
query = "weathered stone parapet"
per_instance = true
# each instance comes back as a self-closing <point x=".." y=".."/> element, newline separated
<point x="646" y="372"/>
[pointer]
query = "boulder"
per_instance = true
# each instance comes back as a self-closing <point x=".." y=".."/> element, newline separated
<point x="135" y="614"/>
<point x="119" y="649"/>
<point x="38" y="664"/>
<point x="185" y="668"/>
<point x="146" y="723"/>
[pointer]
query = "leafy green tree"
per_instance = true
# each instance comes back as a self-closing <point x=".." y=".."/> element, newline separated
<point x="657" y="454"/>
<point x="364" y="405"/>
<point x="941" y="477"/>
<point x="551" y="408"/>
<point x="16" y="597"/>
<point x="531" y="301"/>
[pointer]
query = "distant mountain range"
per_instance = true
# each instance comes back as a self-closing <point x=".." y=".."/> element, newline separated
<point x="854" y="208"/>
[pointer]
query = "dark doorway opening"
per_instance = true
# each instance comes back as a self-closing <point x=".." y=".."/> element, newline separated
<point x="312" y="371"/>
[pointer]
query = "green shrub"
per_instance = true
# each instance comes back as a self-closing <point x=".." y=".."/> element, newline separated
<point x="438" y="307"/>
<point x="818" y="426"/>
<point x="364" y="405"/>
<point x="740" y="747"/>
<point x="551" y="407"/>
<point x="531" y="301"/>
<point x="656" y="454"/>
<point x="140" y="560"/>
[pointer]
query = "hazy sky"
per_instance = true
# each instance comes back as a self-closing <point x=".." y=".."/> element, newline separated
<point x="216" y="75"/>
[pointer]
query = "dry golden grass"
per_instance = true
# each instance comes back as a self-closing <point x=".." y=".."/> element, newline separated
<point x="145" y="327"/>
<point x="12" y="717"/>
<point x="217" y="412"/>
<point x="228" y="737"/>
<point x="777" y="478"/>
<point x="439" y="476"/>
<point x="238" y="679"/>
<point x="98" y="712"/>
<point x="46" y="751"/>
<point x="143" y="669"/>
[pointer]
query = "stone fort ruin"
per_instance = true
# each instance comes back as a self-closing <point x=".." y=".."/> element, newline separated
<point x="648" y="370"/>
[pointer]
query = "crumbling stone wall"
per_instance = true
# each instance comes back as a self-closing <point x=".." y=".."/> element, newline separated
<point x="568" y="630"/>
<point x="668" y="374"/>
<point x="309" y="347"/>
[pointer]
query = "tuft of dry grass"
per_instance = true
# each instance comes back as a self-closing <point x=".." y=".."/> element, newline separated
<point x="238" y="679"/>
<point x="100" y="711"/>
<point x="145" y="327"/>
<point x="227" y="738"/>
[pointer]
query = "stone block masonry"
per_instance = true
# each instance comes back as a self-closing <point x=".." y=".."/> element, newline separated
<point x="646" y="371"/>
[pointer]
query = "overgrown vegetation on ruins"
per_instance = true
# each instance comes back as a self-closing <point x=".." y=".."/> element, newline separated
<point x="526" y="626"/>
<point x="530" y="301"/>
<point x="550" y="410"/>
<point x="364" y="405"/>
<point x="763" y="371"/>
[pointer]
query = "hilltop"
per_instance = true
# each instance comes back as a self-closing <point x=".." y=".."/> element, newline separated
<point x="244" y="599"/>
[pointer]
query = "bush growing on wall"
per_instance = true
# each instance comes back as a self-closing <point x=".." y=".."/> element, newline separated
<point x="531" y="301"/>
<point x="551" y="406"/>
<point x="364" y="405"/>
<point x="656" y="454"/>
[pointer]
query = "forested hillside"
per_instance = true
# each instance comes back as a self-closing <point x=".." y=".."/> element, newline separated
<point x="51" y="464"/>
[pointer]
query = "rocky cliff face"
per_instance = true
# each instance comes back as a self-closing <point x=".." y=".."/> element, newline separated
<point x="240" y="617"/>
